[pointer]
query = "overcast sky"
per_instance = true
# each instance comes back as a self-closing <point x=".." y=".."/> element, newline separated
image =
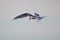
<point x="23" y="29"/>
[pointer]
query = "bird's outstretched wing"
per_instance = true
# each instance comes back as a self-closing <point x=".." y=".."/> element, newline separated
<point x="37" y="14"/>
<point x="23" y="15"/>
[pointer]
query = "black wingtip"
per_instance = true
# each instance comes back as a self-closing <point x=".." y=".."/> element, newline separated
<point x="37" y="14"/>
<point x="14" y="18"/>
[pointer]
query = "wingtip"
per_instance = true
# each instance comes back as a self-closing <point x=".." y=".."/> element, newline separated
<point x="14" y="18"/>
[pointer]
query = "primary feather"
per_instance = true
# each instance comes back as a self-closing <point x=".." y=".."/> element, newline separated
<point x="37" y="14"/>
<point x="23" y="15"/>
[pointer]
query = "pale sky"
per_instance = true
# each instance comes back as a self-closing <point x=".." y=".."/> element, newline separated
<point x="23" y="29"/>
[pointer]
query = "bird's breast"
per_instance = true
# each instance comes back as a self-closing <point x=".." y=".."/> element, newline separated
<point x="33" y="17"/>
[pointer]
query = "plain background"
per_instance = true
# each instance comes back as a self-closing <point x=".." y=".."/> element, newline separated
<point x="23" y="29"/>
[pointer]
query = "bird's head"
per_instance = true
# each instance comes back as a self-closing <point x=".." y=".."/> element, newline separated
<point x="41" y="17"/>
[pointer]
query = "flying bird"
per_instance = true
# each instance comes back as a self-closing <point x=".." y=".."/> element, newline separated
<point x="36" y="16"/>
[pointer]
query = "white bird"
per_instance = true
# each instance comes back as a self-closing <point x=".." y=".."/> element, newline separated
<point x="36" y="16"/>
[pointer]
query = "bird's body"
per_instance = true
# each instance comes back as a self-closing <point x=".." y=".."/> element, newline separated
<point x="36" y="16"/>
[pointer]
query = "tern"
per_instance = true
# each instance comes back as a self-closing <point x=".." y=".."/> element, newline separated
<point x="36" y="16"/>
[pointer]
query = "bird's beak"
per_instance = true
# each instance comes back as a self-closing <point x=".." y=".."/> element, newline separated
<point x="43" y="16"/>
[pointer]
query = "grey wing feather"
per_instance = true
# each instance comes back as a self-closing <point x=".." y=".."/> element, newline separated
<point x="37" y="14"/>
<point x="23" y="15"/>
